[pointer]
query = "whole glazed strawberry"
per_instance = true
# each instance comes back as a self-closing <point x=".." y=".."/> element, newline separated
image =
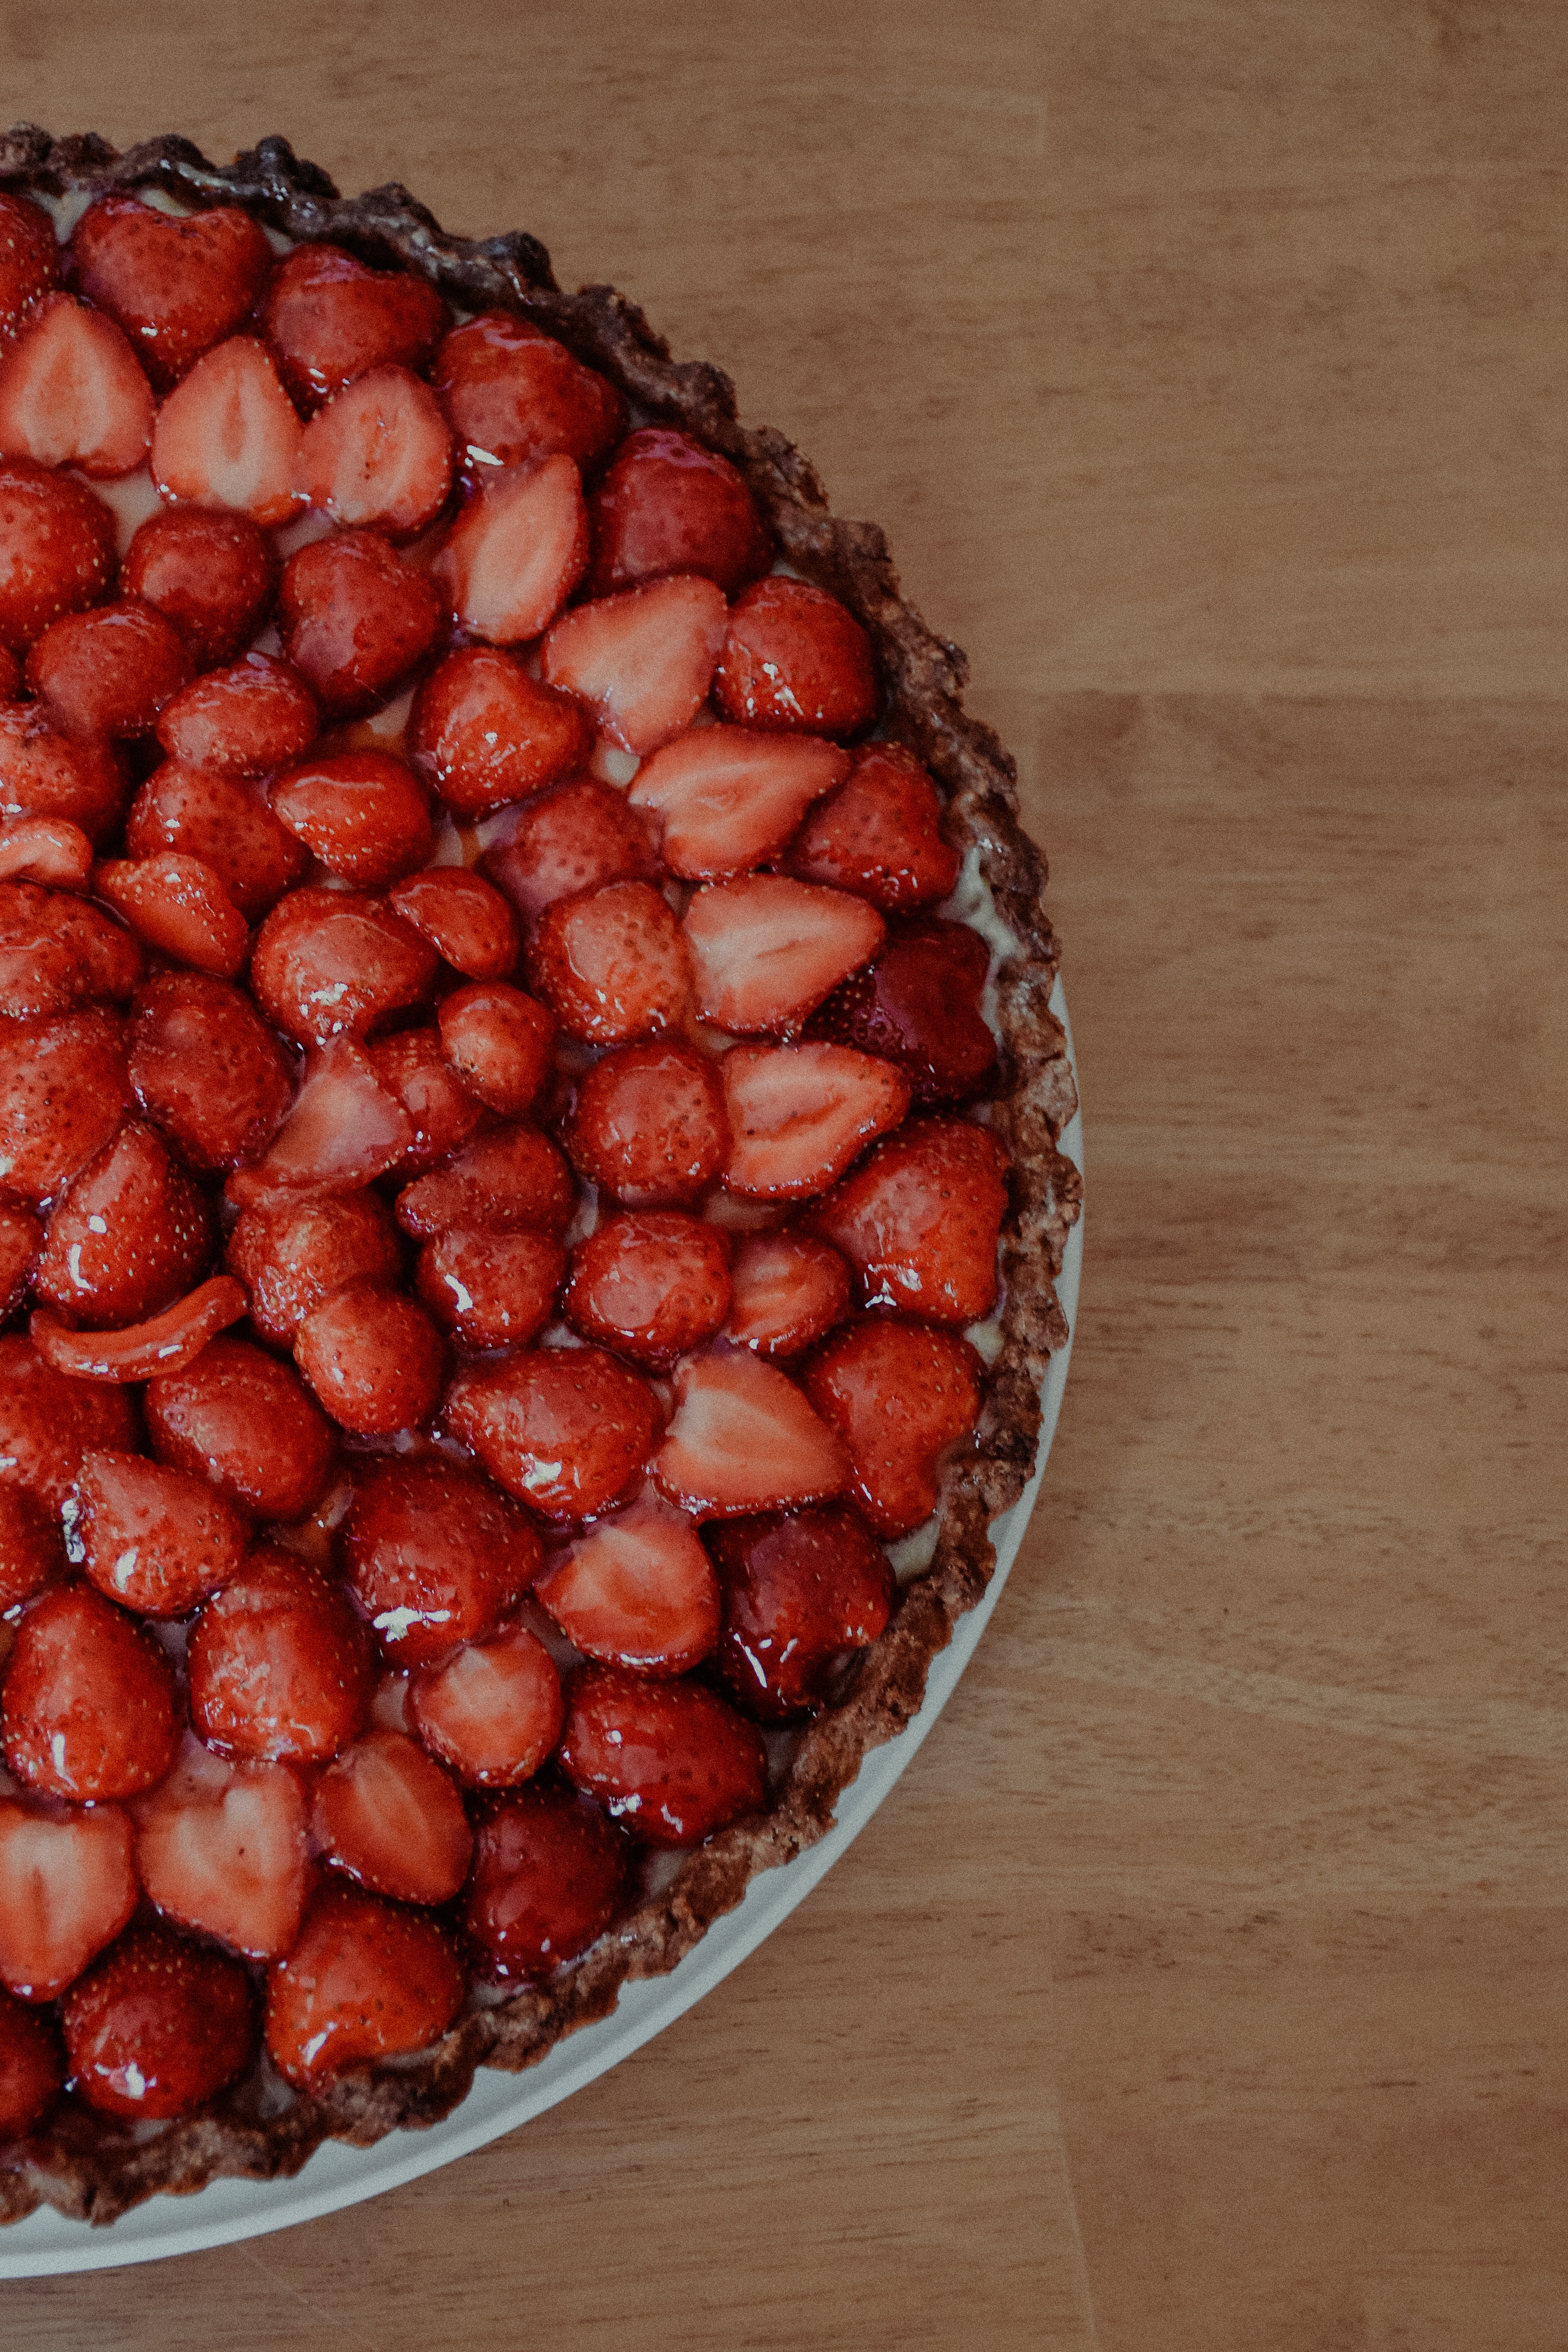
<point x="528" y="1206"/>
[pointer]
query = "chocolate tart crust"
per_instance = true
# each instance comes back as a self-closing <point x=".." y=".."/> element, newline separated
<point x="93" y="2173"/>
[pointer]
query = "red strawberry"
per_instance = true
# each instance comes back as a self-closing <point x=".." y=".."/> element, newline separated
<point x="344" y="1130"/>
<point x="225" y="824"/>
<point x="649" y="1125"/>
<point x="652" y="1285"/>
<point x="744" y="1439"/>
<point x="154" y="1540"/>
<point x="795" y="658"/>
<point x="514" y="1182"/>
<point x="63" y="1093"/>
<point x="482" y="733"/>
<point x="330" y="319"/>
<point x="575" y="839"/>
<point x="57" y="952"/>
<point x="391" y="1818"/>
<point x="380" y="455"/>
<point x="57" y="550"/>
<point x="765" y="950"/>
<point x="46" y="849"/>
<point x="48" y="1424"/>
<point x="669" y="1760"/>
<point x="293" y="1254"/>
<point x="205" y="1070"/>
<point x="514" y="394"/>
<point x="228" y="436"/>
<point x="32" y="2069"/>
<point x="612" y="964"/>
<point x="31" y="1554"/>
<point x="372" y="1358"/>
<point x="142" y="1352"/>
<point x="222" y="1848"/>
<point x="465" y="919"/>
<point x="800" y="1589"/>
<point x="497" y="1040"/>
<point x="636" y="1591"/>
<point x="668" y="504"/>
<point x="279" y="1665"/>
<point x="29" y="259"/>
<point x="516" y="552"/>
<point x="492" y="1290"/>
<point x="212" y="574"/>
<point x="919" y="1005"/>
<point x="72" y="393"/>
<point x="108" y="672"/>
<point x="354" y="618"/>
<point x="332" y="963"/>
<point x="88" y="1711"/>
<point x="641" y="661"/>
<point x="880" y="835"/>
<point x="44" y="773"/>
<point x="365" y="1981"/>
<point x="919" y="1220"/>
<point x="443" y="1114"/>
<point x="132" y="1236"/>
<point x="158" y="2026"/>
<point x="239" y="721"/>
<point x="899" y="1394"/>
<point x="434" y="1554"/>
<point x="361" y="812"/>
<point x="67" y="1888"/>
<point x="550" y="1874"/>
<point x="800" y="1115"/>
<point x="175" y="285"/>
<point x="729" y="799"/>
<point x="492" y="1712"/>
<point x="567" y="1430"/>
<point x="787" y="1291"/>
<point x="242" y="1421"/>
<point x="179" y="906"/>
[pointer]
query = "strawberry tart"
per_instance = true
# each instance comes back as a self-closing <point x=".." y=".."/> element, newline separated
<point x="528" y="1174"/>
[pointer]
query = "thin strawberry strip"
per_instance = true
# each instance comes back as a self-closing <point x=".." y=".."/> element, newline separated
<point x="166" y="1344"/>
<point x="47" y="849"/>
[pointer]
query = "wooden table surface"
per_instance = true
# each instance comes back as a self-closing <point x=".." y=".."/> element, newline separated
<point x="1204" y="1983"/>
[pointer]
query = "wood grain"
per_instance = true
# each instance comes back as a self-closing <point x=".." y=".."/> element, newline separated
<point x="1203" y="1985"/>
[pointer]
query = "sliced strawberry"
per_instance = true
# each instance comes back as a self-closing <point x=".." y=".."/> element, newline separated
<point x="787" y="1290"/>
<point x="567" y="1430"/>
<point x="765" y="949"/>
<point x="372" y="1358"/>
<point x="516" y="552"/>
<point x="71" y="392"/>
<point x="29" y="259"/>
<point x="242" y="1421"/>
<point x="744" y="1438"/>
<point x="157" y="1541"/>
<point x="45" y="773"/>
<point x="514" y="394"/>
<point x="649" y="1126"/>
<point x="108" y="672"/>
<point x="48" y="1422"/>
<point x="31" y="1553"/>
<point x="670" y="1761"/>
<point x="379" y="454"/>
<point x="332" y="963"/>
<point x="67" y="1887"/>
<point x="880" y="835"/>
<point x="32" y="2068"/>
<point x="225" y="824"/>
<point x="354" y="619"/>
<point x="254" y="716"/>
<point x="919" y="1005"/>
<point x="899" y="1394"/>
<point x="918" y="1222"/>
<point x="612" y="964"/>
<point x="361" y="812"/>
<point x="279" y="1665"/>
<point x="497" y="1040"/>
<point x="48" y="850"/>
<point x="729" y="799"/>
<point x="638" y="1591"/>
<point x="800" y="1115"/>
<point x="652" y="1285"/>
<point x="132" y="1236"/>
<point x="388" y="1815"/>
<point x="514" y="1182"/>
<point x="212" y="574"/>
<point x="800" y="1589"/>
<point x="492" y="1290"/>
<point x="642" y="661"/>
<point x="575" y="839"/>
<point x="158" y="2026"/>
<point x="668" y="504"/>
<point x="443" y="1114"/>
<point x="176" y="285"/>
<point x="179" y="906"/>
<point x="794" y="658"/>
<point x="63" y="1092"/>
<point x="365" y="1981"/>
<point x="223" y="1848"/>
<point x="207" y="1069"/>
<point x="293" y="1254"/>
<point x="550" y="1874"/>
<point x="343" y="1131"/>
<point x="57" y="550"/>
<point x="492" y="1712"/>
<point x="57" y="952"/>
<point x="435" y="1555"/>
<point x="331" y="320"/>
<point x="466" y="921"/>
<point x="89" y="1708"/>
<point x="228" y="437"/>
<point x="142" y="1352"/>
<point x="482" y="733"/>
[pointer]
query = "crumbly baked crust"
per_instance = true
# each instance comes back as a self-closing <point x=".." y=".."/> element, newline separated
<point x="93" y="2172"/>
